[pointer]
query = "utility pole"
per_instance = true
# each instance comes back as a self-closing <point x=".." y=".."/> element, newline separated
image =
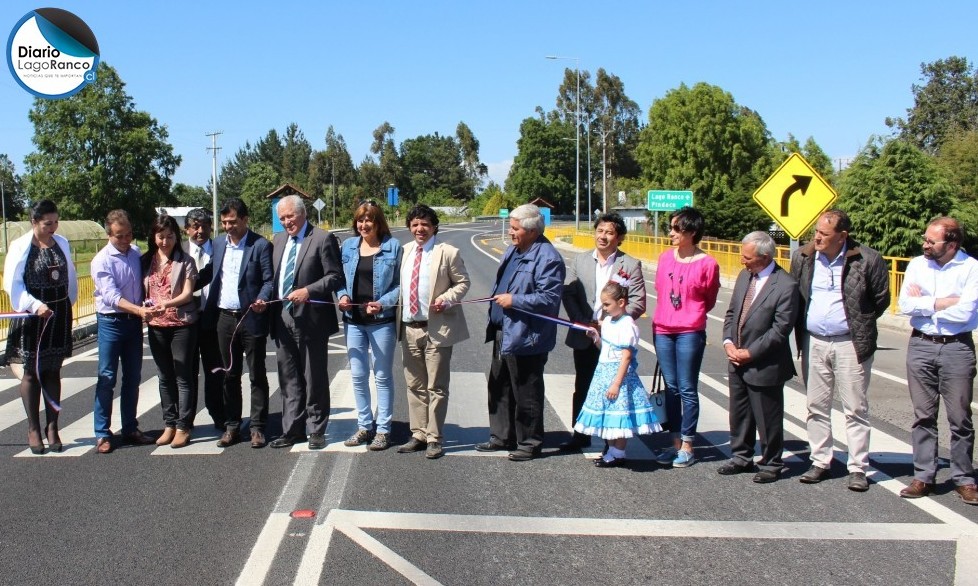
<point x="214" y="148"/>
<point x="332" y="172"/>
<point x="3" y="202"/>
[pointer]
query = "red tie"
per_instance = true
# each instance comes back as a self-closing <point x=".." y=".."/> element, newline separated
<point x="415" y="278"/>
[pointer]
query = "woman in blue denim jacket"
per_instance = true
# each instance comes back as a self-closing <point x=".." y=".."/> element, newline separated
<point x="368" y="300"/>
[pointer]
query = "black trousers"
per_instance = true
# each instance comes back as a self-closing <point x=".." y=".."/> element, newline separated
<point x="756" y="411"/>
<point x="585" y="362"/>
<point x="244" y="348"/>
<point x="516" y="399"/>
<point x="173" y="352"/>
<point x="209" y="352"/>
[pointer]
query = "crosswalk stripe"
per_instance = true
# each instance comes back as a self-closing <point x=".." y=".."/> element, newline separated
<point x="12" y="413"/>
<point x="79" y="437"/>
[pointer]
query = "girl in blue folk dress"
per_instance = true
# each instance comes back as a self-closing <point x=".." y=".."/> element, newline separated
<point x="617" y="405"/>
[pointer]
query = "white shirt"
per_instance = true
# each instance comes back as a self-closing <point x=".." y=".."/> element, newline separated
<point x="602" y="274"/>
<point x="297" y="240"/>
<point x="424" y="282"/>
<point x="959" y="277"/>
<point x="230" y="275"/>
<point x="620" y="332"/>
<point x="205" y="252"/>
<point x="826" y="312"/>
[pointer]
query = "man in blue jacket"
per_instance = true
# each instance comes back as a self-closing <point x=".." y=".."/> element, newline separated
<point x="529" y="282"/>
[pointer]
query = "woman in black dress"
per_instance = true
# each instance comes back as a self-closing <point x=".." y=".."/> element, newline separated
<point x="40" y="279"/>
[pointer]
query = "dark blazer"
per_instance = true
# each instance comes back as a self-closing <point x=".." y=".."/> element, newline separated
<point x="317" y="268"/>
<point x="254" y="282"/>
<point x="766" y="332"/>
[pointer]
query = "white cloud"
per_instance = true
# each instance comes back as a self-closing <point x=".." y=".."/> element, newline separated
<point x="499" y="171"/>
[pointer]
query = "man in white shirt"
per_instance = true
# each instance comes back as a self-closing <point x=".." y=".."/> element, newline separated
<point x="940" y="294"/>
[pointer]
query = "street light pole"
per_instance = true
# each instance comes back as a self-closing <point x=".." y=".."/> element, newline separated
<point x="577" y="158"/>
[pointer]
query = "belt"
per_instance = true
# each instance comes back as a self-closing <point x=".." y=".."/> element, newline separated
<point x="416" y="324"/>
<point x="121" y="315"/>
<point x="963" y="337"/>
<point x="232" y="312"/>
<point x="839" y="338"/>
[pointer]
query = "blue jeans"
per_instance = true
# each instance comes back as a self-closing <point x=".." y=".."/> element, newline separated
<point x="119" y="338"/>
<point x="361" y="342"/>
<point x="680" y="357"/>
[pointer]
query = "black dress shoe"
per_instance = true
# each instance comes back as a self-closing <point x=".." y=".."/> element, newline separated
<point x="814" y="475"/>
<point x="731" y="467"/>
<point x="615" y="463"/>
<point x="522" y="455"/>
<point x="491" y="446"/>
<point x="576" y="443"/>
<point x="284" y="441"/>
<point x="766" y="476"/>
<point x="317" y="441"/>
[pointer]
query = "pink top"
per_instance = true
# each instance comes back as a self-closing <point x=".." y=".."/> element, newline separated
<point x="696" y="284"/>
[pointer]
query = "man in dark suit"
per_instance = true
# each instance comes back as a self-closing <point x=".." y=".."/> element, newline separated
<point x="763" y="309"/>
<point x="198" y="225"/>
<point x="242" y="274"/>
<point x="307" y="268"/>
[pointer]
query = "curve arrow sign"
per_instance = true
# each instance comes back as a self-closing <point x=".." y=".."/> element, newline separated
<point x="801" y="184"/>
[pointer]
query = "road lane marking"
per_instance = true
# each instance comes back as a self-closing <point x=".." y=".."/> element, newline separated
<point x="12" y="413"/>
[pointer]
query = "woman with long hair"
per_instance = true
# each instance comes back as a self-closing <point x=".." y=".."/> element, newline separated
<point x="168" y="278"/>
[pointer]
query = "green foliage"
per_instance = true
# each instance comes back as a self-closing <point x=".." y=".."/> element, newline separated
<point x="891" y="191"/>
<point x="97" y="152"/>
<point x="699" y="139"/>
<point x="260" y="180"/>
<point x="958" y="159"/>
<point x="14" y="199"/>
<point x="544" y="164"/>
<point x="191" y="196"/>
<point x="946" y="104"/>
<point x="433" y="169"/>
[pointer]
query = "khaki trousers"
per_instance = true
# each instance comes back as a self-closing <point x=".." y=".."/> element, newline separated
<point x="427" y="372"/>
<point x="829" y="364"/>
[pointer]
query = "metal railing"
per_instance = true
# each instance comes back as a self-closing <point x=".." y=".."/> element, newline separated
<point x="727" y="254"/>
<point x="84" y="306"/>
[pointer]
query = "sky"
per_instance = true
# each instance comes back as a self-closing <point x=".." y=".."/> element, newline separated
<point x="830" y="70"/>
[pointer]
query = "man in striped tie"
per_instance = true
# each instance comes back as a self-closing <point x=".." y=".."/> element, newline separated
<point x="763" y="309"/>
<point x="307" y="268"/>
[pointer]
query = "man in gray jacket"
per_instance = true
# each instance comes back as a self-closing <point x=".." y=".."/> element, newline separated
<point x="587" y="274"/>
<point x="844" y="288"/>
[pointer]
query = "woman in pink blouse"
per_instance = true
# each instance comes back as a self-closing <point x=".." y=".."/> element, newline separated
<point x="169" y="276"/>
<point x="687" y="281"/>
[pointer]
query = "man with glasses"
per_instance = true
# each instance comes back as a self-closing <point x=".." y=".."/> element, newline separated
<point x="844" y="289"/>
<point x="940" y="294"/>
<point x="587" y="274"/>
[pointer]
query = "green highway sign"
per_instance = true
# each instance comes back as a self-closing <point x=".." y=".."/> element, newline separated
<point x="504" y="213"/>
<point x="668" y="201"/>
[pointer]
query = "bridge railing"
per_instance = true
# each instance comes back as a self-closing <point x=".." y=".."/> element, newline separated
<point x="726" y="252"/>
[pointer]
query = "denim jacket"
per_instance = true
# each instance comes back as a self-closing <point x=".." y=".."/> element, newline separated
<point x="387" y="273"/>
<point x="536" y="287"/>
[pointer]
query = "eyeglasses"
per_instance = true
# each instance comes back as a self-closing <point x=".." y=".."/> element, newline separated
<point x="368" y="202"/>
<point x="675" y="228"/>
<point x="927" y="240"/>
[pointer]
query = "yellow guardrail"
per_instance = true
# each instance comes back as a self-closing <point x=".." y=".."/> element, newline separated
<point x="84" y="306"/>
<point x="727" y="254"/>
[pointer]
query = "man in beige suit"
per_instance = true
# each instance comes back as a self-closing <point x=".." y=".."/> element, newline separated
<point x="433" y="281"/>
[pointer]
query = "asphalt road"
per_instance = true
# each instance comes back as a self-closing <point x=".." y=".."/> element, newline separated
<point x="202" y="515"/>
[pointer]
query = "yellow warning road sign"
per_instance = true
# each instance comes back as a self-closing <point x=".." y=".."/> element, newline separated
<point x="795" y="196"/>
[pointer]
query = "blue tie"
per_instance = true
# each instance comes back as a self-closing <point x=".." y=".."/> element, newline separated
<point x="289" y="273"/>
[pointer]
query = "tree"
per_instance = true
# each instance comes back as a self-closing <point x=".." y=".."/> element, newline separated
<point x="891" y="191"/>
<point x="544" y="163"/>
<point x="699" y="139"/>
<point x="296" y="156"/>
<point x="947" y="103"/>
<point x="959" y="160"/>
<point x="615" y="129"/>
<point x="383" y="147"/>
<point x="434" y="171"/>
<point x="97" y="152"/>
<point x="234" y="172"/>
<point x="474" y="169"/>
<point x="261" y="180"/>
<point x="191" y="196"/>
<point x="14" y="199"/>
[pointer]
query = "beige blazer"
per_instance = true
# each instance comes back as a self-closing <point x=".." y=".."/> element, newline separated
<point x="449" y="282"/>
